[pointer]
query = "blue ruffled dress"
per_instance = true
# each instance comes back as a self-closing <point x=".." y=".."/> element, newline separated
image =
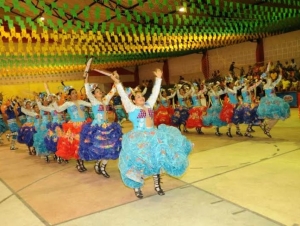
<point x="213" y="113"/>
<point x="150" y="151"/>
<point x="273" y="107"/>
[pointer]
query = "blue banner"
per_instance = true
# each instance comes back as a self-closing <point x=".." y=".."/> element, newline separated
<point x="290" y="97"/>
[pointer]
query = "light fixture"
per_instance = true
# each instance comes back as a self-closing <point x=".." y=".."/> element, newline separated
<point x="181" y="9"/>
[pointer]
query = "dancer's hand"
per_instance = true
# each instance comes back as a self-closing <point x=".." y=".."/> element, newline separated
<point x="115" y="77"/>
<point x="158" y="73"/>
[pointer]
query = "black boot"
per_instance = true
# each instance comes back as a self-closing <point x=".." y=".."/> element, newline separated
<point x="138" y="193"/>
<point x="59" y="160"/>
<point x="248" y="134"/>
<point x="199" y="131"/>
<point x="262" y="126"/>
<point x="185" y="129"/>
<point x="97" y="167"/>
<point x="85" y="169"/>
<point x="267" y="132"/>
<point x="103" y="171"/>
<point x="157" y="187"/>
<point x="238" y="131"/>
<point x="228" y="133"/>
<point x="218" y="132"/>
<point x="251" y="129"/>
<point x="29" y="151"/>
<point x="80" y="167"/>
<point x="47" y="159"/>
<point x="33" y="151"/>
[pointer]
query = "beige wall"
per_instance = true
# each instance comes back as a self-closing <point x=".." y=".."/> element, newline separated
<point x="283" y="47"/>
<point x="146" y="71"/>
<point x="189" y="67"/>
<point x="242" y="54"/>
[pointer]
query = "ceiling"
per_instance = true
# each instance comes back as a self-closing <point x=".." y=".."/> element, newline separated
<point x="120" y="33"/>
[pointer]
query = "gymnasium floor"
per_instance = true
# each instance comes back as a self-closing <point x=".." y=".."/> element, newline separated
<point x="234" y="182"/>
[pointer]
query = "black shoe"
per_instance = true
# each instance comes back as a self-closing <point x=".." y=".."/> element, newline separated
<point x="80" y="167"/>
<point x="138" y="193"/>
<point x="103" y="171"/>
<point x="248" y="135"/>
<point x="228" y="134"/>
<point x="157" y="188"/>
<point x="239" y="133"/>
<point x="263" y="127"/>
<point x="59" y="160"/>
<point x="97" y="168"/>
<point x="47" y="159"/>
<point x="199" y="130"/>
<point x="268" y="134"/>
<point x="218" y="134"/>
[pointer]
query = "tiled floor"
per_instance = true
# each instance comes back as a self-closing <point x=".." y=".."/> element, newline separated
<point x="230" y="181"/>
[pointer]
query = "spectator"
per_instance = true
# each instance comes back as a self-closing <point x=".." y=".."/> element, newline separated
<point x="293" y="64"/>
<point x="231" y="68"/>
<point x="285" y="84"/>
<point x="295" y="84"/>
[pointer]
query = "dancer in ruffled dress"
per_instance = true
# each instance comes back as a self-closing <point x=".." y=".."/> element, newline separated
<point x="271" y="107"/>
<point x="165" y="111"/>
<point x="147" y="151"/>
<point x="27" y="131"/>
<point x="100" y="140"/>
<point x="53" y="126"/>
<point x="181" y="112"/>
<point x="42" y="130"/>
<point x="212" y="118"/>
<point x="3" y="126"/>
<point x="198" y="110"/>
<point x="10" y="111"/>
<point x="68" y="141"/>
<point x="232" y="111"/>
<point x="250" y="111"/>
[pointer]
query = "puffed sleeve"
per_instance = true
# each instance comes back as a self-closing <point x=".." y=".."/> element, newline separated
<point x="155" y="91"/>
<point x="128" y="105"/>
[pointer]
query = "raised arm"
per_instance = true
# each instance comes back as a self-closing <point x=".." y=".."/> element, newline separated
<point x="61" y="107"/>
<point x="108" y="96"/>
<point x="278" y="79"/>
<point x="255" y="85"/>
<point x="84" y="103"/>
<point x="27" y="112"/>
<point x="89" y="93"/>
<point x="156" y="88"/>
<point x="128" y="105"/>
<point x="44" y="108"/>
<point x="144" y="90"/>
<point x="171" y="96"/>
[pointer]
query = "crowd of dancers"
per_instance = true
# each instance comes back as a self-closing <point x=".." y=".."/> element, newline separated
<point x="67" y="126"/>
<point x="228" y="102"/>
<point x="64" y="128"/>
